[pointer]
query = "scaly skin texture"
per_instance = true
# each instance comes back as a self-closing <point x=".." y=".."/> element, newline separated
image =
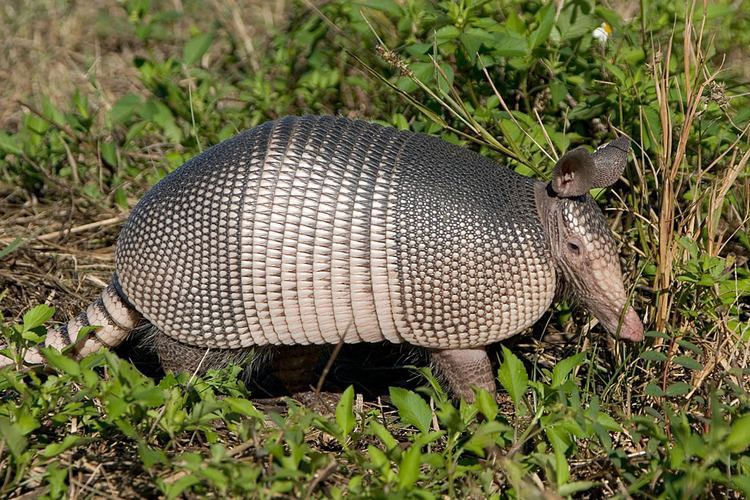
<point x="318" y="230"/>
<point x="321" y="230"/>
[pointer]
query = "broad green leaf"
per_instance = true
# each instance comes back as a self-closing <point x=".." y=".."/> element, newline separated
<point x="653" y="356"/>
<point x="345" y="412"/>
<point x="71" y="440"/>
<point x="485" y="403"/>
<point x="687" y="362"/>
<point x="738" y="439"/>
<point x="653" y="390"/>
<point x="513" y="377"/>
<point x="37" y="316"/>
<point x="678" y="389"/>
<point x="411" y="408"/>
<point x="423" y="71"/>
<point x="109" y="153"/>
<point x="547" y="19"/>
<point x="377" y="457"/>
<point x="151" y="397"/>
<point x="124" y="108"/>
<point x="558" y="91"/>
<point x="8" y="144"/>
<point x="447" y="33"/>
<point x="177" y="488"/>
<point x="196" y="47"/>
<point x="570" y="489"/>
<point x="243" y="407"/>
<point x="563" y="368"/>
<point x="486" y="435"/>
<point x="379" y="430"/>
<point x="388" y="6"/>
<point x="408" y="470"/>
<point x="151" y="457"/>
<point x="560" y="440"/>
<point x="62" y="362"/>
<point x="508" y="45"/>
<point x="12" y="437"/>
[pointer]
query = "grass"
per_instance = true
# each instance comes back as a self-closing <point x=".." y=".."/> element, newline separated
<point x="115" y="95"/>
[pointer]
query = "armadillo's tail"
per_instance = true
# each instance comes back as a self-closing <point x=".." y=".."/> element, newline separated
<point x="114" y="316"/>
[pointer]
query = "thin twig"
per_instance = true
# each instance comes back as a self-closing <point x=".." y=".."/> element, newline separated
<point x="85" y="227"/>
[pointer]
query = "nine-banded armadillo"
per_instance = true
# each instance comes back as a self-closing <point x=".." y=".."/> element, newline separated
<point x="315" y="230"/>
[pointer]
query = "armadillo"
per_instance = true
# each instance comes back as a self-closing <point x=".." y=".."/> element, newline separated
<point x="323" y="230"/>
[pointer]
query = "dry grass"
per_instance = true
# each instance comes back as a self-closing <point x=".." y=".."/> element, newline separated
<point x="707" y="218"/>
<point x="50" y="50"/>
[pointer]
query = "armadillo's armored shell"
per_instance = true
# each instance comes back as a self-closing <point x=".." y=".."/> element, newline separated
<point x="319" y="229"/>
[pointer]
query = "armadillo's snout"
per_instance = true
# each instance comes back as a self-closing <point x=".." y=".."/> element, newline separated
<point x="632" y="327"/>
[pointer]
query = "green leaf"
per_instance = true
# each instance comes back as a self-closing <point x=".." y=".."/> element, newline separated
<point x="678" y="389"/>
<point x="345" y="412"/>
<point x="11" y="247"/>
<point x="71" y="440"/>
<point x="37" y="316"/>
<point x="61" y="362"/>
<point x="177" y="488"/>
<point x="408" y="470"/>
<point x="124" y="108"/>
<point x="547" y="16"/>
<point x="411" y="408"/>
<point x="12" y="437"/>
<point x="196" y="47"/>
<point x="738" y="439"/>
<point x="243" y="407"/>
<point x="562" y="369"/>
<point x="508" y="45"/>
<point x="560" y="440"/>
<point x="513" y="377"/>
<point x="379" y="430"/>
<point x="653" y="390"/>
<point x="569" y="489"/>
<point x="121" y="198"/>
<point x="388" y="6"/>
<point x="487" y="435"/>
<point x="485" y="403"/>
<point x="109" y="153"/>
<point x="8" y="144"/>
<point x="447" y="34"/>
<point x="653" y="356"/>
<point x="688" y="362"/>
<point x="151" y="457"/>
<point x="151" y="397"/>
<point x="558" y="91"/>
<point x="423" y="71"/>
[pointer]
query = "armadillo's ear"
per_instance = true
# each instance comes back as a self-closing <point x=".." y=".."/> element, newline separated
<point x="610" y="161"/>
<point x="573" y="174"/>
<point x="578" y="171"/>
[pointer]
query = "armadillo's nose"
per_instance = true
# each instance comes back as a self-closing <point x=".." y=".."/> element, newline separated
<point x="632" y="328"/>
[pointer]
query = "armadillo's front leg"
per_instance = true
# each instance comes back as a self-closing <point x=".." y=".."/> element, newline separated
<point x="464" y="369"/>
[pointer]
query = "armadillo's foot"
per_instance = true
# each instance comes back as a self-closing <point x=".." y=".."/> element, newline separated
<point x="464" y="369"/>
<point x="178" y="357"/>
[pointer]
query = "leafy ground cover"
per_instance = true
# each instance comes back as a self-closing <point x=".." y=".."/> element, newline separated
<point x="101" y="101"/>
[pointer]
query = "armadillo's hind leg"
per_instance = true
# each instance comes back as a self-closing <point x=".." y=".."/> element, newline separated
<point x="464" y="369"/>
<point x="178" y="357"/>
<point x="111" y="312"/>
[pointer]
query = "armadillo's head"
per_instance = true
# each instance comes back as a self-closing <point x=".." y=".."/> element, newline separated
<point x="580" y="240"/>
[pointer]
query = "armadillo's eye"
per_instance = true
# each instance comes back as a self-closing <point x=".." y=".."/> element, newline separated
<point x="574" y="248"/>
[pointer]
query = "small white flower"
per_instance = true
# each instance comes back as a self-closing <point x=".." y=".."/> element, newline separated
<point x="602" y="33"/>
